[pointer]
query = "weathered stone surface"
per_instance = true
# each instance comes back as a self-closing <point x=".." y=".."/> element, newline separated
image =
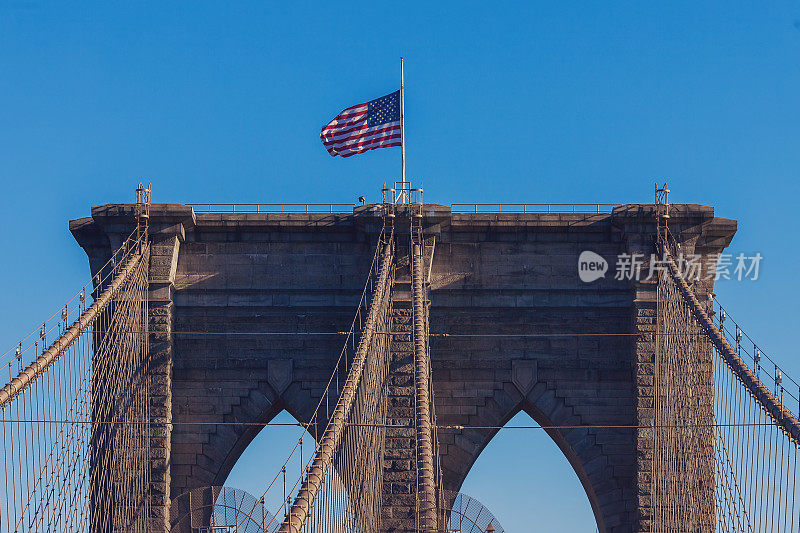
<point x="524" y="375"/>
<point x="279" y="374"/>
<point x="235" y="296"/>
<point x="399" y="472"/>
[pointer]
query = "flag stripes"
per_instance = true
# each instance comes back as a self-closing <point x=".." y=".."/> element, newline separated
<point x="362" y="127"/>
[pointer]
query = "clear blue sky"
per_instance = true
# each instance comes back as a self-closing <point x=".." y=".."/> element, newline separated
<point x="537" y="102"/>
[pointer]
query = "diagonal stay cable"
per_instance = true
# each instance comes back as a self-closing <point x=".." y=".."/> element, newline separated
<point x="43" y="362"/>
<point x="334" y="432"/>
<point x="769" y="402"/>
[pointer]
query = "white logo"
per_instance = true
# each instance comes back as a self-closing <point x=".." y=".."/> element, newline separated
<point x="591" y="266"/>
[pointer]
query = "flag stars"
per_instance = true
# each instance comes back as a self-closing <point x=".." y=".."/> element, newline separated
<point x="384" y="109"/>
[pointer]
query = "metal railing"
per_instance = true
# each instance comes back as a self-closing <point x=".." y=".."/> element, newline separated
<point x="456" y="208"/>
<point x="532" y="208"/>
<point x="272" y="208"/>
<point x="765" y="369"/>
<point x="401" y="193"/>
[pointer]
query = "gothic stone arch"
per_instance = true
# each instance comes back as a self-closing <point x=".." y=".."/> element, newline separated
<point x="492" y="274"/>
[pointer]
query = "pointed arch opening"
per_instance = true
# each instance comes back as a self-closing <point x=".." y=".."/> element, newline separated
<point x="541" y="492"/>
<point x="273" y="457"/>
<point x="272" y="465"/>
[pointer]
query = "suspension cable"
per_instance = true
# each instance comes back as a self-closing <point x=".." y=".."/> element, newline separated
<point x="43" y="362"/>
<point x="772" y="405"/>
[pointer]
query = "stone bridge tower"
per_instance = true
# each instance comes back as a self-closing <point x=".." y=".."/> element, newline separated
<point x="513" y="328"/>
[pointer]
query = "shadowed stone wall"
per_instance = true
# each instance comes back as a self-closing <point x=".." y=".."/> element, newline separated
<point x="513" y="329"/>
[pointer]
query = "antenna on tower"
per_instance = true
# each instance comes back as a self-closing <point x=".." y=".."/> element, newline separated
<point x="142" y="211"/>
<point x="662" y="209"/>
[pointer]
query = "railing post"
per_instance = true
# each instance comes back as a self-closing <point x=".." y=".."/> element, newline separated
<point x="738" y="340"/>
<point x="86" y="318"/>
<point x="772" y="405"/>
<point x="757" y="361"/>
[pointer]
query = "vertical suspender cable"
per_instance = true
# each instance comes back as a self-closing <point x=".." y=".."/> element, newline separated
<point x="41" y="363"/>
<point x="772" y="405"/>
<point x="303" y="503"/>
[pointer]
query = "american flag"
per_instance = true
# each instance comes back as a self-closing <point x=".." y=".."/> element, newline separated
<point x="362" y="127"/>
